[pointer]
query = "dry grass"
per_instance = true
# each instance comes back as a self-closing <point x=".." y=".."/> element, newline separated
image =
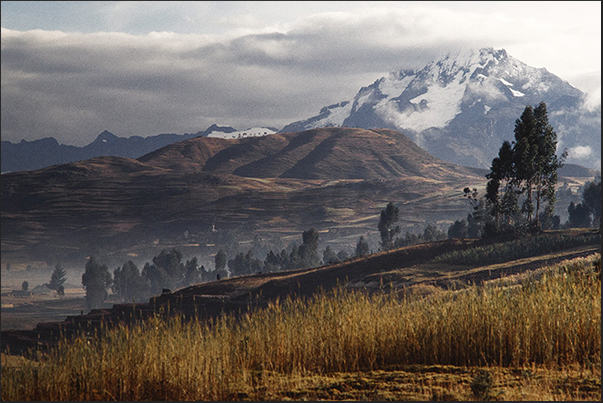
<point x="550" y="326"/>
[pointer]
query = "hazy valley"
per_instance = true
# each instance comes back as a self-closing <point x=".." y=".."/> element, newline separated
<point x="393" y="322"/>
<point x="194" y="191"/>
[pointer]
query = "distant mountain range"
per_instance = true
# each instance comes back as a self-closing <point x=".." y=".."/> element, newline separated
<point x="459" y="107"/>
<point x="31" y="155"/>
<point x="462" y="106"/>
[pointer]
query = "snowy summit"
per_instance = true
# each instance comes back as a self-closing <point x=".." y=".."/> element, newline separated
<point x="461" y="106"/>
<point x="251" y="132"/>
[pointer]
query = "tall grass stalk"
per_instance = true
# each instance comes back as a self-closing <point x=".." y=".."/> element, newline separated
<point x="554" y="321"/>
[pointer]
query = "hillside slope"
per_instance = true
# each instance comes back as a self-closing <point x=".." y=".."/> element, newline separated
<point x="409" y="270"/>
<point x="333" y="178"/>
<point x="323" y="153"/>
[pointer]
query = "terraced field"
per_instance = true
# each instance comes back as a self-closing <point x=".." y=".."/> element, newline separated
<point x="307" y="335"/>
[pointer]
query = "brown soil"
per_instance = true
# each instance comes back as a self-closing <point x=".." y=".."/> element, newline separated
<point x="281" y="184"/>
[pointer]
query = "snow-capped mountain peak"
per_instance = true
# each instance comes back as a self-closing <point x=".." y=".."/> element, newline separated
<point x="251" y="132"/>
<point x="460" y="106"/>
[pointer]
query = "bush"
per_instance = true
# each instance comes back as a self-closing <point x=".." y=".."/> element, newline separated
<point x="481" y="384"/>
<point x="518" y="249"/>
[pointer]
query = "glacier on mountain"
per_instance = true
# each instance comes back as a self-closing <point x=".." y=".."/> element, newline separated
<point x="251" y="132"/>
<point x="463" y="105"/>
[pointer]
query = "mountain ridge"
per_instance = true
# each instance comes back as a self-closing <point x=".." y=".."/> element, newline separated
<point x="36" y="154"/>
<point x="285" y="184"/>
<point x="461" y="107"/>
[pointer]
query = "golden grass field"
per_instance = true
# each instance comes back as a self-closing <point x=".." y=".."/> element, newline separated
<point x="533" y="337"/>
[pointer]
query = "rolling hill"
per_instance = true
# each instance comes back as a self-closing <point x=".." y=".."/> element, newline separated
<point x="322" y="154"/>
<point x="37" y="154"/>
<point x="196" y="191"/>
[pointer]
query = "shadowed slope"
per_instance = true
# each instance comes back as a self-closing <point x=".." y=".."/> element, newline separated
<point x="279" y="184"/>
<point x="324" y="153"/>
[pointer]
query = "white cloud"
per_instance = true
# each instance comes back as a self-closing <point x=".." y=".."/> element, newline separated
<point x="580" y="152"/>
<point x="254" y="63"/>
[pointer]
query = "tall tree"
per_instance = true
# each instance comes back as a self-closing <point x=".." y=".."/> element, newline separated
<point x="96" y="280"/>
<point x="244" y="263"/>
<point x="503" y="209"/>
<point x="156" y="278"/>
<point x="308" y="250"/>
<point x="170" y="261"/>
<point x="193" y="273"/>
<point x="535" y="161"/>
<point x="273" y="262"/>
<point x="387" y="225"/>
<point x="128" y="283"/>
<point x="459" y="229"/>
<point x="591" y="198"/>
<point x="587" y="213"/>
<point x="579" y="215"/>
<point x="546" y="163"/>
<point x="527" y="168"/>
<point x="524" y="157"/>
<point x="362" y="247"/>
<point x="57" y="279"/>
<point x="220" y="261"/>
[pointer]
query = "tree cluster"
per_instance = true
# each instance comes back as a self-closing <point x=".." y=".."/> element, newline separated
<point x="129" y="283"/>
<point x="521" y="191"/>
<point x="168" y="270"/>
<point x="302" y="256"/>
<point x="587" y="213"/>
<point x="389" y="228"/>
<point x="525" y="171"/>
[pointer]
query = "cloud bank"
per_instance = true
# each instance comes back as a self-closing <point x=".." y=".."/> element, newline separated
<point x="72" y="85"/>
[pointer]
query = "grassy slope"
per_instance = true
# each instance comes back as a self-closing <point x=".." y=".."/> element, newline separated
<point x="348" y="346"/>
<point x="403" y="379"/>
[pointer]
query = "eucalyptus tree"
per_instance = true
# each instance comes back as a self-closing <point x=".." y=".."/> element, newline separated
<point x="96" y="280"/>
<point x="387" y="225"/>
<point x="526" y="168"/>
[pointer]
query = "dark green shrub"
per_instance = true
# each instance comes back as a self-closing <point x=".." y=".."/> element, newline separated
<point x="481" y="385"/>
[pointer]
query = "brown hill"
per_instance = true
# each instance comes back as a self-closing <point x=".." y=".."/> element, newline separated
<point x="324" y="154"/>
<point x="334" y="179"/>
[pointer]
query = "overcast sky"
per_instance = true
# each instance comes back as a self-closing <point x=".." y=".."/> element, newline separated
<point x="72" y="69"/>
